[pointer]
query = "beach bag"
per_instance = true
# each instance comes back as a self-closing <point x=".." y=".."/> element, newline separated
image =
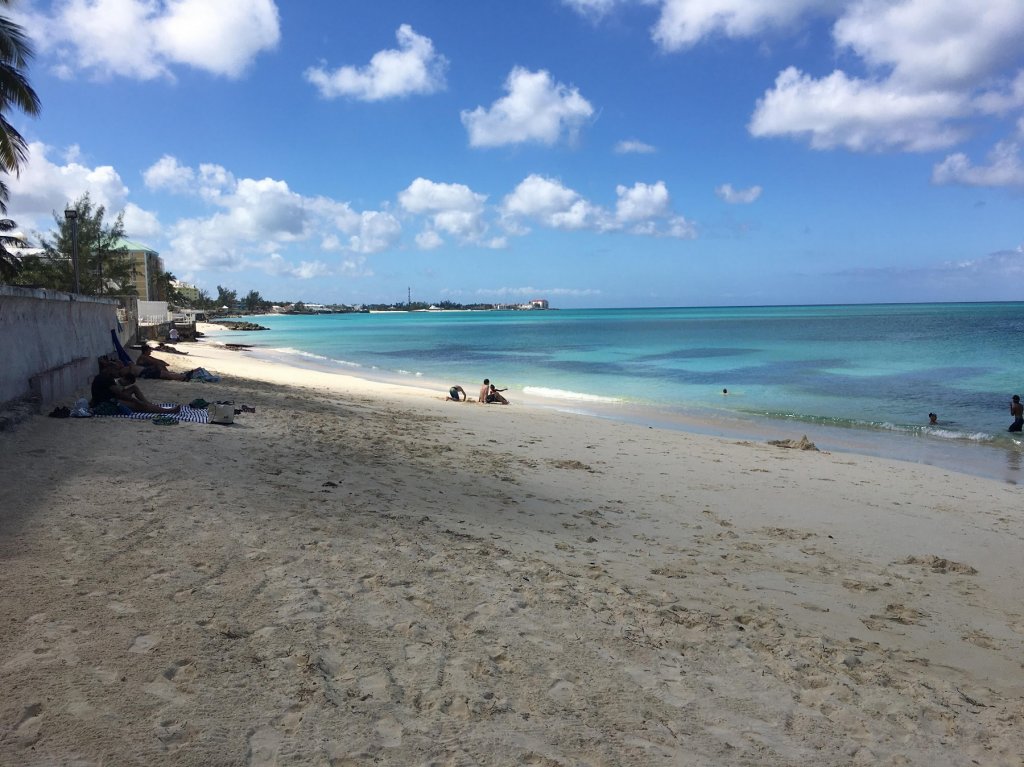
<point x="221" y="413"/>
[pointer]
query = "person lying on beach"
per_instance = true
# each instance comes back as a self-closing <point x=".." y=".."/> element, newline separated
<point x="456" y="394"/>
<point x="494" y="396"/>
<point x="151" y="367"/>
<point x="125" y="392"/>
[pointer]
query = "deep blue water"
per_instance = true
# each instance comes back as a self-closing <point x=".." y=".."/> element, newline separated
<point x="861" y="378"/>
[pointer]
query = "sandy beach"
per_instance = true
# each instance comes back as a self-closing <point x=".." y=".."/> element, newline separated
<point x="361" y="574"/>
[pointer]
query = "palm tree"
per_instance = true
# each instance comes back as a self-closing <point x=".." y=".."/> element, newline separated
<point x="15" y="51"/>
<point x="8" y="262"/>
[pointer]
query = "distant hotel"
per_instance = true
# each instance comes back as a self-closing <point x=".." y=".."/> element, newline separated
<point x="535" y="303"/>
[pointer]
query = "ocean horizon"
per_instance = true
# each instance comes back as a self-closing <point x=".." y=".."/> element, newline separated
<point x="857" y="378"/>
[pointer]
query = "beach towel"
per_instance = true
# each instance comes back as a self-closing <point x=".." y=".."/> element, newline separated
<point x="202" y="374"/>
<point x="190" y="414"/>
<point x="121" y="353"/>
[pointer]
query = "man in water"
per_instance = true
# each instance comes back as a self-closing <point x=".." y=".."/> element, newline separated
<point x="1017" y="411"/>
<point x="933" y="419"/>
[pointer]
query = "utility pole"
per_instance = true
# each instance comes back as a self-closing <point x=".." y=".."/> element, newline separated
<point x="71" y="216"/>
<point x="408" y="301"/>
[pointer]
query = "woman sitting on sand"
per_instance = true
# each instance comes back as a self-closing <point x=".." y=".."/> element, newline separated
<point x="125" y="394"/>
<point x="494" y="396"/>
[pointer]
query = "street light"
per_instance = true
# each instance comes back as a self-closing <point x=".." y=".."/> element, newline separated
<point x="71" y="216"/>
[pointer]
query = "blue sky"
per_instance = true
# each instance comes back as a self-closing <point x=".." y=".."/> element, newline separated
<point x="592" y="152"/>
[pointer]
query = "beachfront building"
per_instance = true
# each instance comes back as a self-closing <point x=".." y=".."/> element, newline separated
<point x="188" y="293"/>
<point x="147" y="266"/>
<point x="539" y="303"/>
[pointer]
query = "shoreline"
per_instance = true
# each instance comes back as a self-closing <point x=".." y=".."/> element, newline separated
<point x="358" y="573"/>
<point x="1003" y="462"/>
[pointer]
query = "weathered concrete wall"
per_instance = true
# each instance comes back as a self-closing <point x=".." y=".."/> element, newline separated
<point x="49" y="342"/>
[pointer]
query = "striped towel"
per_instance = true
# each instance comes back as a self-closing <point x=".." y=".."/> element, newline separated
<point x="190" y="414"/>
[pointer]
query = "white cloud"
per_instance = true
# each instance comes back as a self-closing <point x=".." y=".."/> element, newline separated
<point x="428" y="239"/>
<point x="738" y="196"/>
<point x="454" y="209"/>
<point x="166" y="173"/>
<point x="524" y="292"/>
<point x="414" y="68"/>
<point x="593" y="8"/>
<point x="932" y="65"/>
<point x="681" y="228"/>
<point x="643" y="209"/>
<point x="377" y="231"/>
<point x="930" y="44"/>
<point x="684" y="23"/>
<point x="277" y="265"/>
<point x="551" y="203"/>
<point x="1005" y="168"/>
<point x="255" y="218"/>
<point x="43" y="187"/>
<point x="535" y="109"/>
<point x="916" y="72"/>
<point x="634" y="147"/>
<point x="856" y="114"/>
<point x="139" y="223"/>
<point x="641" y="202"/>
<point x="145" y="39"/>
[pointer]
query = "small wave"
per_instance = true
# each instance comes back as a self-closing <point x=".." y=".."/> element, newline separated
<point x="940" y="433"/>
<point x="978" y="436"/>
<point x="312" y="356"/>
<point x="857" y="423"/>
<point x="541" y="391"/>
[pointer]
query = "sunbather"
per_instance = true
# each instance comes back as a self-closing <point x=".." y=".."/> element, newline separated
<point x="157" y="368"/>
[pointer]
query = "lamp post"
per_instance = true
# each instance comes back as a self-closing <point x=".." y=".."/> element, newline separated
<point x="71" y="216"/>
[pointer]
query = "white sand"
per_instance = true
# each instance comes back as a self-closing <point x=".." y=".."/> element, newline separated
<point x="366" y="574"/>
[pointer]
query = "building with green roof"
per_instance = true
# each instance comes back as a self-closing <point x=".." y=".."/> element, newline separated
<point x="147" y="266"/>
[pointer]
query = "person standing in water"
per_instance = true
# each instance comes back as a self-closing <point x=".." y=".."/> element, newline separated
<point x="1017" y="411"/>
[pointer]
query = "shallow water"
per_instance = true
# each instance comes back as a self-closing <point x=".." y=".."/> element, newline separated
<point x="860" y="379"/>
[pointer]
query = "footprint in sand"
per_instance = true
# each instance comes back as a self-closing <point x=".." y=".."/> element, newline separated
<point x="144" y="643"/>
<point x="27" y="730"/>
<point x="981" y="639"/>
<point x="264" y="746"/>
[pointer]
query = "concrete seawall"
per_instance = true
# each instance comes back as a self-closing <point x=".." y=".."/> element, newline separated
<point x="49" y="342"/>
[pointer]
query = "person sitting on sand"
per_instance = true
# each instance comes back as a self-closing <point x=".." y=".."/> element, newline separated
<point x="456" y="394"/>
<point x="485" y="389"/>
<point x="494" y="396"/>
<point x="157" y="368"/>
<point x="124" y="392"/>
<point x="1017" y="411"/>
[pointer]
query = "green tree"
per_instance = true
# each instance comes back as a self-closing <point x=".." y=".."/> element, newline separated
<point x="165" y="290"/>
<point x="226" y="297"/>
<point x="9" y="264"/>
<point x="253" y="301"/>
<point x="15" y="92"/>
<point x="102" y="269"/>
<point x="204" y="301"/>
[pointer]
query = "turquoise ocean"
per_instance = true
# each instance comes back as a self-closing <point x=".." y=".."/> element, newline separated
<point x="859" y="379"/>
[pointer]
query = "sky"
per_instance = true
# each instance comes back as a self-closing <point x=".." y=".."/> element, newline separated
<point x="596" y="153"/>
